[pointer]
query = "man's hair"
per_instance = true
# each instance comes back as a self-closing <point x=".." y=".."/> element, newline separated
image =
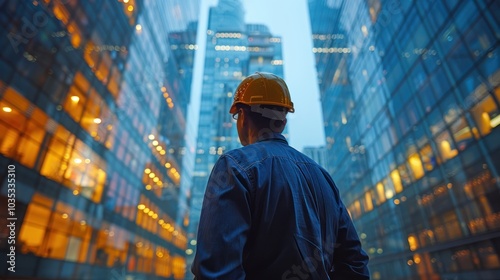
<point x="263" y="116"/>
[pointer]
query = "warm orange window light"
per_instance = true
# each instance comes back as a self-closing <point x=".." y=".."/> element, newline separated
<point x="75" y="35"/>
<point x="446" y="150"/>
<point x="412" y="242"/>
<point x="368" y="201"/>
<point x="75" y="98"/>
<point x="396" y="180"/>
<point x="60" y="12"/>
<point x="416" y="166"/>
<point x="380" y="193"/>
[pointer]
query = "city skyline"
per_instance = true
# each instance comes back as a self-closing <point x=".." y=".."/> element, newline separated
<point x="289" y="21"/>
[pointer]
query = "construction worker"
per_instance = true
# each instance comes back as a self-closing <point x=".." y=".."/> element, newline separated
<point x="270" y="212"/>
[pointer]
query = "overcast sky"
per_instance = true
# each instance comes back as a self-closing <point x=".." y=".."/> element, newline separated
<point x="290" y="21"/>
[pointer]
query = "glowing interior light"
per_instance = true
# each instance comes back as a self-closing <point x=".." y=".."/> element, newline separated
<point x="7" y="109"/>
<point x="75" y="98"/>
<point x="495" y="121"/>
<point x="97" y="120"/>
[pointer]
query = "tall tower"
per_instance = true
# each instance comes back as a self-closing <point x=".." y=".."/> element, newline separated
<point x="412" y="131"/>
<point x="93" y="97"/>
<point x="233" y="50"/>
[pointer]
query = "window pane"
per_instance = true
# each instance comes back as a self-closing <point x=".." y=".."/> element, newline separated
<point x="479" y="38"/>
<point x="450" y="108"/>
<point x="486" y="115"/>
<point x="462" y="133"/>
<point x="435" y="121"/>
<point x="428" y="158"/>
<point x="446" y="146"/>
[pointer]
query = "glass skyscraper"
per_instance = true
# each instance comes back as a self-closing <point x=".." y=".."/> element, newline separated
<point x="234" y="50"/>
<point x="93" y="98"/>
<point x="410" y="92"/>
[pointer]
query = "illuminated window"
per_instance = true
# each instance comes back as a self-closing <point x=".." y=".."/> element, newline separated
<point x="35" y="224"/>
<point x="114" y="82"/>
<point x="389" y="188"/>
<point x="368" y="201"/>
<point x="75" y="102"/>
<point x="380" y="193"/>
<point x="85" y="172"/>
<point x="103" y="69"/>
<point x="374" y="9"/>
<point x="29" y="146"/>
<point x="178" y="267"/>
<point x="23" y="147"/>
<point x="76" y="37"/>
<point x="413" y="242"/>
<point x="462" y="133"/>
<point x="446" y="146"/>
<point x="59" y="148"/>
<point x="91" y="113"/>
<point x="486" y="115"/>
<point x="428" y="158"/>
<point x="162" y="262"/>
<point x="404" y="174"/>
<point x="81" y="82"/>
<point x="416" y="166"/>
<point x="452" y="225"/>
<point x="396" y="180"/>
<point x="60" y="12"/>
<point x="486" y="253"/>
<point x="356" y="209"/>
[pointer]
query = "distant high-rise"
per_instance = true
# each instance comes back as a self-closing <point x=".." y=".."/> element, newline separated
<point x="411" y="93"/>
<point x="233" y="51"/>
<point x="318" y="154"/>
<point x="93" y="98"/>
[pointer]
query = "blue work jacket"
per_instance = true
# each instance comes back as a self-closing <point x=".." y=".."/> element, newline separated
<point x="270" y="212"/>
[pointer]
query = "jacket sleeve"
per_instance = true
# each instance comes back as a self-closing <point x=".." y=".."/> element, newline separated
<point x="349" y="259"/>
<point x="224" y="223"/>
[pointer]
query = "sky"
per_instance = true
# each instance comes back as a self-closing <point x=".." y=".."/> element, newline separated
<point x="290" y="21"/>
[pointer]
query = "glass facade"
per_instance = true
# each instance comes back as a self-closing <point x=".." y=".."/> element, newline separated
<point x="410" y="92"/>
<point x="233" y="51"/>
<point x="318" y="154"/>
<point x="93" y="98"/>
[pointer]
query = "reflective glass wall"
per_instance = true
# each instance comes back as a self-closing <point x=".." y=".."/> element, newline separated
<point x="93" y="97"/>
<point x="410" y="93"/>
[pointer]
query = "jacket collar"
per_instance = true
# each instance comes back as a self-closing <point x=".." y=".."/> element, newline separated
<point x="272" y="136"/>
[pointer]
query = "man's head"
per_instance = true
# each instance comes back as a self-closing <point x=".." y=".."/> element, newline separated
<point x="261" y="103"/>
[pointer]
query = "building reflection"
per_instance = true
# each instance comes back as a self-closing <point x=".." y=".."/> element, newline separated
<point x="410" y="94"/>
<point x="93" y="100"/>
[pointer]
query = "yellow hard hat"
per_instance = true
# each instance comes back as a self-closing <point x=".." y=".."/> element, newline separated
<point x="262" y="89"/>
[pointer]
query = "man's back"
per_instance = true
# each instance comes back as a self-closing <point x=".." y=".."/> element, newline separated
<point x="288" y="217"/>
